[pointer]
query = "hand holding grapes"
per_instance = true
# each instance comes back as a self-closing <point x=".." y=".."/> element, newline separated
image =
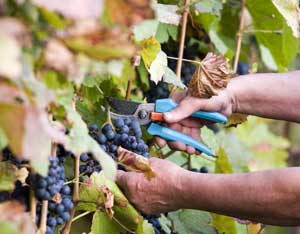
<point x="179" y="119"/>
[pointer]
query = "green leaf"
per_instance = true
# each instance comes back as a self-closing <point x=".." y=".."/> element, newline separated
<point x="52" y="18"/>
<point x="93" y="197"/>
<point x="165" y="224"/>
<point x="145" y="228"/>
<point x="101" y="224"/>
<point x="290" y="11"/>
<point x="210" y="139"/>
<point x="273" y="32"/>
<point x="171" y="78"/>
<point x="222" y="163"/>
<point x="150" y="50"/>
<point x="192" y="222"/>
<point x="145" y="29"/>
<point x="167" y="14"/>
<point x="224" y="224"/>
<point x="209" y="6"/>
<point x="234" y="148"/>
<point x="7" y="176"/>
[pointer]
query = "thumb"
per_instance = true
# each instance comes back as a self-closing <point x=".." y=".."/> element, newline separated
<point x="121" y="178"/>
<point x="186" y="108"/>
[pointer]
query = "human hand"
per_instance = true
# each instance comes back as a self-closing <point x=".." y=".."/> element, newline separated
<point x="179" y="119"/>
<point x="158" y="195"/>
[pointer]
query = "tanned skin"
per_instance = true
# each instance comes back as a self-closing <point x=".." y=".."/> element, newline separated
<point x="269" y="197"/>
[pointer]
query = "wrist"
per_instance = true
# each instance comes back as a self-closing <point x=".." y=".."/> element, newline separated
<point x="232" y="92"/>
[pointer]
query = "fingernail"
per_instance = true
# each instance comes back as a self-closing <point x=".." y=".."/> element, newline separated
<point x="167" y="116"/>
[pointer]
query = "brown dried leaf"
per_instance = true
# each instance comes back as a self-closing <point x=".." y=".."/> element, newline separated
<point x="211" y="76"/>
<point x="109" y="201"/>
<point x="236" y="119"/>
<point x="75" y="9"/>
<point x="134" y="162"/>
<point x="14" y="212"/>
<point x="129" y="12"/>
<point x="22" y="174"/>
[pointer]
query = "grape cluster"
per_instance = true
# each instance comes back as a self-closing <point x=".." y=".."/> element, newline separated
<point x="157" y="91"/>
<point x="126" y="133"/>
<point x="53" y="189"/>
<point x="88" y="164"/>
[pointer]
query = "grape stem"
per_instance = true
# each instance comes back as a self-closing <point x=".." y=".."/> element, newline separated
<point x="75" y="197"/>
<point x="81" y="215"/>
<point x="128" y="90"/>
<point x="239" y="36"/>
<point x="32" y="205"/>
<point x="43" y="223"/>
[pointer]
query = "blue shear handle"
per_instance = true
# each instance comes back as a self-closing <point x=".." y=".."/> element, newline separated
<point x="166" y="105"/>
<point x="173" y="135"/>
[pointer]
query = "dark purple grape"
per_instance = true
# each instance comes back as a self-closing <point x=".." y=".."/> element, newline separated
<point x="84" y="157"/>
<point x="203" y="170"/>
<point x="102" y="138"/>
<point x="110" y="135"/>
<point x="94" y="128"/>
<point x="106" y="128"/>
<point x="119" y="123"/>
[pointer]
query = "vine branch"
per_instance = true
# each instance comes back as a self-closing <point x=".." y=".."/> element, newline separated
<point x="239" y="36"/>
<point x="182" y="40"/>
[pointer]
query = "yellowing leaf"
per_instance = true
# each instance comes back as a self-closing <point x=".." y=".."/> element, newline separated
<point x="150" y="49"/>
<point x="236" y="119"/>
<point x="159" y="67"/>
<point x="222" y="162"/>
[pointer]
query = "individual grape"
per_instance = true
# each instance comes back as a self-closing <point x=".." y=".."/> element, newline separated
<point x="119" y="123"/>
<point x="102" y="138"/>
<point x="49" y="230"/>
<point x="59" y="208"/>
<point x="127" y="121"/>
<point x="124" y="129"/>
<point x="124" y="137"/>
<point x="94" y="128"/>
<point x="113" y="148"/>
<point x="110" y="135"/>
<point x="65" y="216"/>
<point x="243" y="68"/>
<point x="84" y="157"/>
<point x="66" y="190"/>
<point x="106" y="128"/>
<point x="51" y="221"/>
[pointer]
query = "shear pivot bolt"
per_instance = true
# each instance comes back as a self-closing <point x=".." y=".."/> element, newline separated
<point x="142" y="114"/>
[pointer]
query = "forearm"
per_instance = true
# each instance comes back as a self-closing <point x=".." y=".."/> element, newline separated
<point x="270" y="197"/>
<point x="268" y="95"/>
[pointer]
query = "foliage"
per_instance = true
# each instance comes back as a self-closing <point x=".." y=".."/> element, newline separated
<point x="59" y="61"/>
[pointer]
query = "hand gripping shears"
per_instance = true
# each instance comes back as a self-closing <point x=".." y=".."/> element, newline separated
<point x="152" y="113"/>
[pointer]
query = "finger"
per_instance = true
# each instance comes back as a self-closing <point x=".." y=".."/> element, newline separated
<point x="121" y="178"/>
<point x="188" y="131"/>
<point x="185" y="108"/>
<point x="160" y="142"/>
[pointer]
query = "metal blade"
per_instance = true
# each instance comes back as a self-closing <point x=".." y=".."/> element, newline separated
<point x="123" y="106"/>
<point x="115" y="116"/>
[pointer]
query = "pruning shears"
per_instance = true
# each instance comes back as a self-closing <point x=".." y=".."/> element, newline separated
<point x="152" y="113"/>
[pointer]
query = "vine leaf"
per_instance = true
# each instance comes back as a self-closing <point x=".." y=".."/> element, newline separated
<point x="167" y="13"/>
<point x="158" y="67"/>
<point x="14" y="219"/>
<point x="78" y="9"/>
<point x="211" y="76"/>
<point x="268" y="18"/>
<point x="191" y="221"/>
<point x="93" y="199"/>
<point x="134" y="162"/>
<point x="101" y="224"/>
<point x="236" y="119"/>
<point x="150" y="49"/>
<point x="145" y="29"/>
